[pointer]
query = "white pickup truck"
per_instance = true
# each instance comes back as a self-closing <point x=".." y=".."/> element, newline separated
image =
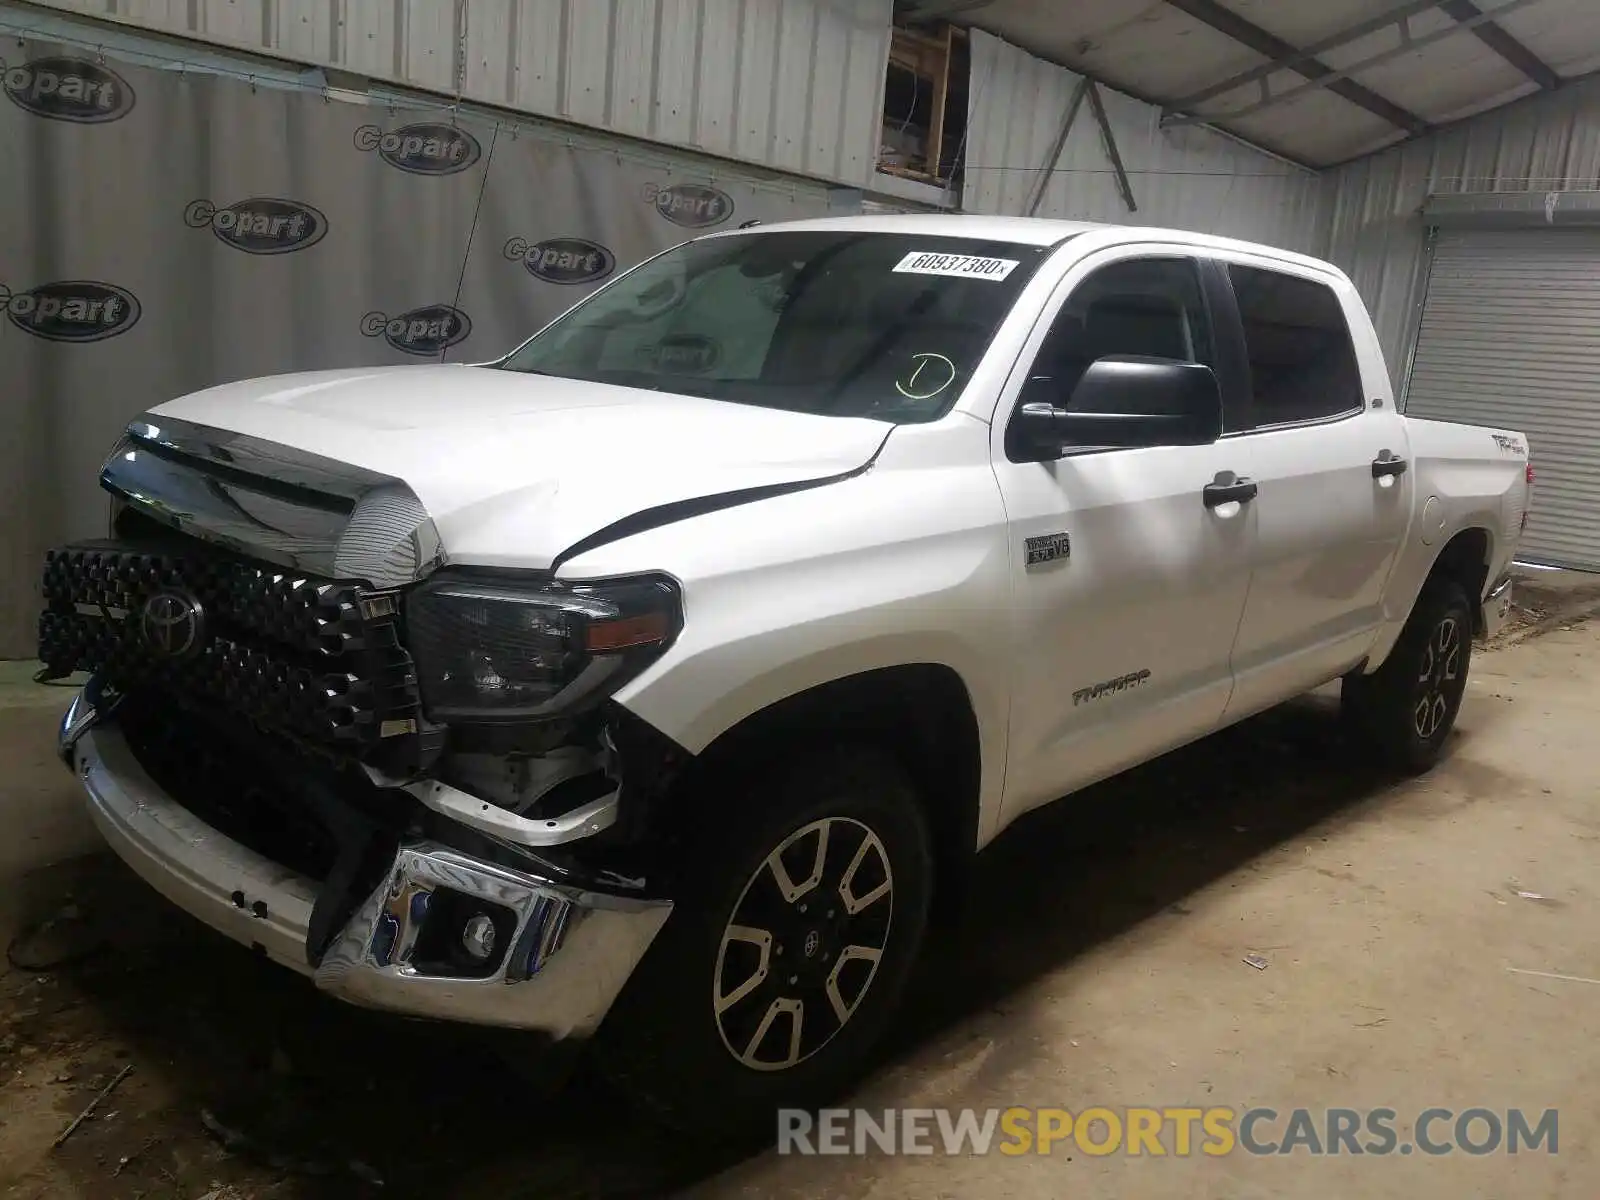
<point x="654" y="687"/>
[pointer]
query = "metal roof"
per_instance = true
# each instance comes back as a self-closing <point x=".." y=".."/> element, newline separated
<point x="1318" y="81"/>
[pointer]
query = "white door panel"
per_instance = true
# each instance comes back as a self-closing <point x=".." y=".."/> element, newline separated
<point x="1326" y="536"/>
<point x="1155" y="583"/>
<point x="1120" y="648"/>
<point x="1328" y="526"/>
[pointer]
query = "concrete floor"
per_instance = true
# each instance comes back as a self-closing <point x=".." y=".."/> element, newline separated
<point x="1103" y="965"/>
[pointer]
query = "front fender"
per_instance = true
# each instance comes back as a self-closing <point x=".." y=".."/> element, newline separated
<point x="903" y="565"/>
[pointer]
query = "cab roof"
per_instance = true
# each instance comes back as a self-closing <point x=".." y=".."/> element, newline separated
<point x="1030" y="231"/>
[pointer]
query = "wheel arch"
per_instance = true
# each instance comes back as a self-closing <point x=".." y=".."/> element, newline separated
<point x="1465" y="557"/>
<point x="921" y="713"/>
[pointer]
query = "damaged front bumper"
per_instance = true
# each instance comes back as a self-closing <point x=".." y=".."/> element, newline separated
<point x="562" y="953"/>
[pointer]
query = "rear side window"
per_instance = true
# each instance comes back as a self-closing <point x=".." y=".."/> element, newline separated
<point x="1302" y="361"/>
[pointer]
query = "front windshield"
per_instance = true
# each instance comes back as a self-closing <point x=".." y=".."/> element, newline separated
<point x="835" y="322"/>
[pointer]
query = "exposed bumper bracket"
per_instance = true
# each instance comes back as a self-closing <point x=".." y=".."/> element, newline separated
<point x="584" y="821"/>
<point x="568" y="952"/>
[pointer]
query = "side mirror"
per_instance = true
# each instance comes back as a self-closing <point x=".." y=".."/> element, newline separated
<point x="1125" y="402"/>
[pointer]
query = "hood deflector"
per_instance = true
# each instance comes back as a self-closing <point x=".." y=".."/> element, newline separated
<point x="273" y="502"/>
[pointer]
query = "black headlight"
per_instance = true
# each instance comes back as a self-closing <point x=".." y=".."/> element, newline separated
<point x="499" y="650"/>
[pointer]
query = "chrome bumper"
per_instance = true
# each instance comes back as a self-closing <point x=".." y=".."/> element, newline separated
<point x="571" y="951"/>
<point x="1497" y="608"/>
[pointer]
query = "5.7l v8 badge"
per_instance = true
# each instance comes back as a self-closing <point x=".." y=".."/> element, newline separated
<point x="1047" y="548"/>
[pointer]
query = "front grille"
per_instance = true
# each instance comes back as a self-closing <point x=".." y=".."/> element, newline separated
<point x="319" y="661"/>
<point x="293" y="809"/>
<point x="231" y="784"/>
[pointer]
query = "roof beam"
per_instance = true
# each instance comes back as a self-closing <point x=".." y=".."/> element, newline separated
<point x="1408" y="45"/>
<point x="1503" y="44"/>
<point x="928" y="10"/>
<point x="1289" y="57"/>
<point x="1344" y="37"/>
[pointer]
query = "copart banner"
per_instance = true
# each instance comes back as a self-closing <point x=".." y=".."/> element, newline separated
<point x="164" y="230"/>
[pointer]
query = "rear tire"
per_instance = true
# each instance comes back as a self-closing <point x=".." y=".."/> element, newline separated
<point x="787" y="952"/>
<point x="1407" y="708"/>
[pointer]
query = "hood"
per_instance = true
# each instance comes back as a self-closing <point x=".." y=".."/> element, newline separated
<point x="516" y="468"/>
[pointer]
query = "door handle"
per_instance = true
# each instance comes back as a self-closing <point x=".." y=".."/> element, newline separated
<point x="1242" y="490"/>
<point x="1384" y="468"/>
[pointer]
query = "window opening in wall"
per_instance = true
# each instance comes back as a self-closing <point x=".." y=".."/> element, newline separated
<point x="925" y="102"/>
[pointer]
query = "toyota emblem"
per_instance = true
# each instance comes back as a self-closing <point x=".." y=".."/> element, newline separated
<point x="172" y="624"/>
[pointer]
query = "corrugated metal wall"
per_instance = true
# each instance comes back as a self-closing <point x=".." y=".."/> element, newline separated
<point x="795" y="85"/>
<point x="1185" y="178"/>
<point x="1373" y="226"/>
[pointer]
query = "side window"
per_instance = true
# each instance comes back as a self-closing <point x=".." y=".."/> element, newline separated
<point x="1146" y="307"/>
<point x="1302" y="362"/>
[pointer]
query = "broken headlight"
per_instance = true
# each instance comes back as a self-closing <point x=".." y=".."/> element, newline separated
<point x="498" y="650"/>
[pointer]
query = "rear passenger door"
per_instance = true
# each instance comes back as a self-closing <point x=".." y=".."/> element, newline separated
<point x="1328" y="525"/>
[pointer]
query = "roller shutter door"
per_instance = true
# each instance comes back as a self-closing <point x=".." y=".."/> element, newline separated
<point x="1510" y="337"/>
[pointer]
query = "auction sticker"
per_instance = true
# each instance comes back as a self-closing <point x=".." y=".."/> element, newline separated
<point x="962" y="266"/>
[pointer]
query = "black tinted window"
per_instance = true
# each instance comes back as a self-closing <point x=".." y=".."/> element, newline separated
<point x="1146" y="307"/>
<point x="1302" y="363"/>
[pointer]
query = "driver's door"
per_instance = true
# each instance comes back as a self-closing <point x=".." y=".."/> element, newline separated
<point x="1128" y="588"/>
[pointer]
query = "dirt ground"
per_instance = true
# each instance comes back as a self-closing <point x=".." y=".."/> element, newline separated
<point x="1103" y="963"/>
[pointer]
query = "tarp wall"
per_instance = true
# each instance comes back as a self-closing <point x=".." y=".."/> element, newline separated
<point x="163" y="230"/>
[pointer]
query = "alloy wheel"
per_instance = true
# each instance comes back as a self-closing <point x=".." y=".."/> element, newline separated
<point x="1441" y="669"/>
<point x="803" y="944"/>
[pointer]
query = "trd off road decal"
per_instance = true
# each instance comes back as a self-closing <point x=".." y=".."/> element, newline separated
<point x="62" y="88"/>
<point x="77" y="310"/>
<point x="259" y="225"/>
<point x="426" y="148"/>
<point x="563" y="259"/>
<point x="425" y="331"/>
<point x="1110" y="687"/>
<point x="1510" y="445"/>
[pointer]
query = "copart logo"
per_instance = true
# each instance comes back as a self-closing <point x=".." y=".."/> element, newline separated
<point x="424" y="149"/>
<point x="77" y="310"/>
<point x="692" y="205"/>
<point x="260" y="225"/>
<point x="685" y="354"/>
<point x="69" y="89"/>
<point x="563" y="260"/>
<point x="424" y="331"/>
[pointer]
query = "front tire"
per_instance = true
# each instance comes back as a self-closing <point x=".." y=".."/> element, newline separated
<point x="1407" y="708"/>
<point x="788" y="950"/>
